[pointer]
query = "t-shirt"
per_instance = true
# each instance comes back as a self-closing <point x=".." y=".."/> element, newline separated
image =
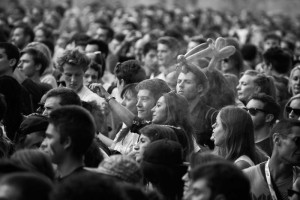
<point x="259" y="186"/>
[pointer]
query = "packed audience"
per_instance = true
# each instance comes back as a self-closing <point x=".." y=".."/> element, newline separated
<point x="147" y="103"/>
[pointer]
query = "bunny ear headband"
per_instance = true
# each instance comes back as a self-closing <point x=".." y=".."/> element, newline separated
<point x="216" y="50"/>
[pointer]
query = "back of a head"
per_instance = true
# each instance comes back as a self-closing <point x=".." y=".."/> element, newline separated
<point x="67" y="96"/>
<point x="280" y="60"/>
<point x="74" y="58"/>
<point x="130" y="71"/>
<point x="26" y="186"/>
<point x="158" y="132"/>
<point x="249" y="52"/>
<point x="88" y="186"/>
<point x="11" y="51"/>
<point x="76" y="123"/>
<point x="102" y="46"/>
<point x="223" y="178"/>
<point x="156" y="86"/>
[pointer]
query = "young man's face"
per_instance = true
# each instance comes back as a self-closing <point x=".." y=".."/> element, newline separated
<point x="259" y="119"/>
<point x="187" y="86"/>
<point x="101" y="34"/>
<point x="5" y="63"/>
<point x="53" y="145"/>
<point x="165" y="55"/>
<point x="51" y="103"/>
<point x="150" y="59"/>
<point x="269" y="43"/>
<point x="18" y="38"/>
<point x="145" y="103"/>
<point x="200" y="190"/>
<point x="27" y="65"/>
<point x="73" y="76"/>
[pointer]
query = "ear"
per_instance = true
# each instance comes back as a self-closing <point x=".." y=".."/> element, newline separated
<point x="269" y="118"/>
<point x="200" y="89"/>
<point x="38" y="67"/>
<point x="276" y="139"/>
<point x="122" y="82"/>
<point x="12" y="62"/>
<point x="67" y="143"/>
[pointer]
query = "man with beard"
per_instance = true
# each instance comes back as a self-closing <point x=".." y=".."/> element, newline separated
<point x="264" y="112"/>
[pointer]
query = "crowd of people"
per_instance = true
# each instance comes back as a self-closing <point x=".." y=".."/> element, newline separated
<point x="148" y="103"/>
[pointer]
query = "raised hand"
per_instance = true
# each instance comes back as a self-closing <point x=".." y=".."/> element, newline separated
<point x="99" y="90"/>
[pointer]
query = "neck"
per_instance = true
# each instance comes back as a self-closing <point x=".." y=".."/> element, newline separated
<point x="262" y="134"/>
<point x="68" y="165"/>
<point x="169" y="68"/>
<point x="35" y="78"/>
<point x="278" y="169"/>
<point x="194" y="102"/>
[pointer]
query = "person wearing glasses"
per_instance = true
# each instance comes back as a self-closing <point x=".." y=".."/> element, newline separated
<point x="272" y="179"/>
<point x="264" y="112"/>
<point x="292" y="108"/>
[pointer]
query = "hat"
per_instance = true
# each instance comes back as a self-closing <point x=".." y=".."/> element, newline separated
<point x="33" y="123"/>
<point x="163" y="152"/>
<point x="122" y="167"/>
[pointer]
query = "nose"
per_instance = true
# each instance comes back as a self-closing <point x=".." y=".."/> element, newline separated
<point x="73" y="78"/>
<point x="46" y="112"/>
<point x="43" y="146"/>
<point x="153" y="109"/>
<point x="138" y="104"/>
<point x="292" y="115"/>
<point x="136" y="147"/>
<point x="238" y="86"/>
<point x="185" y="177"/>
<point x="123" y="103"/>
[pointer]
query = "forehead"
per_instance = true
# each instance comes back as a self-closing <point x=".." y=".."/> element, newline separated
<point x="296" y="72"/>
<point x="161" y="46"/>
<point x="26" y="56"/>
<point x="145" y="93"/>
<point x="91" y="47"/>
<point x="152" y="52"/>
<point x="187" y="76"/>
<point x="53" y="101"/>
<point x="254" y="103"/>
<point x="247" y="78"/>
<point x="91" y="71"/>
<point x="72" y="69"/>
<point x="295" y="103"/>
<point x="19" y="30"/>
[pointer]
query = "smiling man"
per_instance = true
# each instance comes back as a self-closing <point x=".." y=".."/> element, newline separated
<point x="276" y="176"/>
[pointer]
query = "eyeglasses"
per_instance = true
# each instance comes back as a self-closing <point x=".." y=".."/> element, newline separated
<point x="254" y="111"/>
<point x="289" y="109"/>
<point x="292" y="192"/>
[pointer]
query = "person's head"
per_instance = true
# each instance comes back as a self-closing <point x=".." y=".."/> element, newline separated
<point x="42" y="48"/>
<point x="70" y="132"/>
<point x="22" y="34"/>
<point x="233" y="64"/>
<point x="122" y="167"/>
<point x="23" y="186"/>
<point x="33" y="62"/>
<point x="271" y="40"/>
<point x="164" y="170"/>
<point x="138" y="49"/>
<point x="151" y="133"/>
<point x="97" y="45"/>
<point x="73" y="64"/>
<point x="167" y="51"/>
<point x="219" y="180"/>
<point x="254" y="82"/>
<point x="192" y="82"/>
<point x="129" y="72"/>
<point x="42" y="33"/>
<point x="195" y="41"/>
<point x="58" y="97"/>
<point x="92" y="74"/>
<point x="34" y="161"/>
<point x="90" y="186"/>
<point x="31" y="132"/>
<point x="149" y="56"/>
<point x="149" y="91"/>
<point x="294" y="80"/>
<point x="129" y="97"/>
<point x="286" y="145"/>
<point x="105" y="33"/>
<point x="234" y="132"/>
<point x="292" y="108"/>
<point x="263" y="110"/>
<point x="277" y="60"/>
<point x="10" y="56"/>
<point x="249" y="52"/>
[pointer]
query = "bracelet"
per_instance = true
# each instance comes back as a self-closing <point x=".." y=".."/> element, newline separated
<point x="107" y="99"/>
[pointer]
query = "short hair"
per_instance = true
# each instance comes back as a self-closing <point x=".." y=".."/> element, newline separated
<point x="67" y="96"/>
<point x="38" y="58"/>
<point x="285" y="126"/>
<point x="270" y="105"/>
<point x="11" y="51"/>
<point x="76" y="123"/>
<point x="102" y="46"/>
<point x="158" y="132"/>
<point x="29" y="186"/>
<point x="149" y="46"/>
<point x="75" y="58"/>
<point x="129" y="88"/>
<point x="169" y="41"/>
<point x="130" y="71"/>
<point x="27" y="30"/>
<point x="281" y="60"/>
<point x="97" y="67"/>
<point x="156" y="86"/>
<point x="272" y="36"/>
<point x="224" y="178"/>
<point x="80" y="39"/>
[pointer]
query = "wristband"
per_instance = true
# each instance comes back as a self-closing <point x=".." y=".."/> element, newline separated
<point x="107" y="99"/>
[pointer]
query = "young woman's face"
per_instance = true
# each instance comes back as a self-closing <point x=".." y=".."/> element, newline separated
<point x="295" y="82"/>
<point x="218" y="135"/>
<point x="159" y="111"/>
<point x="143" y="142"/>
<point x="293" y="110"/>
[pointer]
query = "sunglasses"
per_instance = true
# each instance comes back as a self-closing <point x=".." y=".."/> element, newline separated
<point x="295" y="110"/>
<point x="292" y="192"/>
<point x="225" y="60"/>
<point x="254" y="111"/>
